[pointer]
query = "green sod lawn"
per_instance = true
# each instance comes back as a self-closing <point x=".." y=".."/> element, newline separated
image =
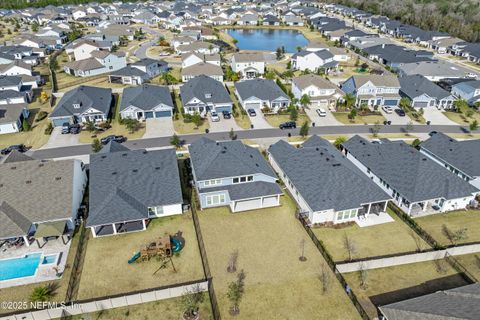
<point x="106" y="271"/>
<point x="277" y="284"/>
<point x="455" y="220"/>
<point x="370" y="241"/>
<point x="372" y="119"/>
<point x="277" y="119"/>
<point x="471" y="262"/>
<point x="388" y="285"/>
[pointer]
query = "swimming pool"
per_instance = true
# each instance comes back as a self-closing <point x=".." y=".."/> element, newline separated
<point x="25" y="266"/>
<point x="49" y="259"/>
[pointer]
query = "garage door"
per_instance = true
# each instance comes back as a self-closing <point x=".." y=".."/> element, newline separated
<point x="247" y="204"/>
<point x="225" y="108"/>
<point x="162" y="114"/>
<point x="148" y="114"/>
<point x="60" y="122"/>
<point x="252" y="105"/>
<point x="420" y="104"/>
<point x="390" y="102"/>
<point x="270" y="201"/>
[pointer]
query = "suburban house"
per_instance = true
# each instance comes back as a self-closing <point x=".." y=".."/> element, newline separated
<point x="119" y="201"/>
<point x="11" y="117"/>
<point x="322" y="92"/>
<point x="457" y="303"/>
<point x="434" y="70"/>
<point x="198" y="47"/>
<point x="101" y="61"/>
<point x="374" y="90"/>
<point x="423" y="93"/>
<point x="83" y="48"/>
<point x="270" y="20"/>
<point x="467" y="90"/>
<point x="248" y="64"/>
<point x="54" y="192"/>
<point x="15" y="68"/>
<point x="325" y="185"/>
<point x="455" y="156"/>
<point x="151" y="67"/>
<point x="202" y="94"/>
<point x="314" y="61"/>
<point x="82" y="104"/>
<point x="261" y="94"/>
<point x="15" y="90"/>
<point x="208" y="69"/>
<point x="146" y="102"/>
<point x="230" y="173"/>
<point x="417" y="184"/>
<point x="138" y="72"/>
<point x="192" y="58"/>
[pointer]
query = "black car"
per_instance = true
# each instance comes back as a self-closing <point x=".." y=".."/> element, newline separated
<point x="251" y="112"/>
<point x="400" y="112"/>
<point x="431" y="133"/>
<point x="66" y="128"/>
<point x="18" y="147"/>
<point x="75" y="128"/>
<point x="115" y="138"/>
<point x="288" y="125"/>
<point x="226" y="115"/>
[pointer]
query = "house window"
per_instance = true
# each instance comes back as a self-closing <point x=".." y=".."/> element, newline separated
<point x="76" y="105"/>
<point x="250" y="178"/>
<point x="208" y="95"/>
<point x="155" y="211"/>
<point x="215" y="199"/>
<point x="236" y="180"/>
<point x="212" y="182"/>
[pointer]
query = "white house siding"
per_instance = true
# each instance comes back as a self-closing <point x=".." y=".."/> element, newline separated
<point x="83" y="52"/>
<point x="79" y="184"/>
<point x="17" y="100"/>
<point x="241" y="66"/>
<point x="9" y="127"/>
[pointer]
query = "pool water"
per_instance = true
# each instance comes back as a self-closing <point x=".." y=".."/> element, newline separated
<point x="19" y="267"/>
<point x="49" y="259"/>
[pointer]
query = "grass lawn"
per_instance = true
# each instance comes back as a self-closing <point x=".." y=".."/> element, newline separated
<point x="372" y="119"/>
<point x="371" y="241"/>
<point x="169" y="309"/>
<point x="454" y="221"/>
<point x="417" y="118"/>
<point x="106" y="271"/>
<point x="182" y="127"/>
<point x="392" y="136"/>
<point x="117" y="128"/>
<point x="277" y="284"/>
<point x="464" y="135"/>
<point x="22" y="293"/>
<point x="461" y="118"/>
<point x="471" y="262"/>
<point x="388" y="285"/>
<point x="276" y="119"/>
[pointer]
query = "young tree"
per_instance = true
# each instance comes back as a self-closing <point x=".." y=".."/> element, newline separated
<point x="42" y="293"/>
<point x="53" y="64"/>
<point x="90" y="126"/>
<point x="325" y="278"/>
<point x="190" y="302"/>
<point x="408" y="128"/>
<point x="235" y="293"/>
<point x="376" y="129"/>
<point x="460" y="104"/>
<point x="197" y="120"/>
<point x="232" y="262"/>
<point x="302" y="247"/>
<point x="454" y="236"/>
<point x="349" y="100"/>
<point x="293" y="113"/>
<point x="96" y="145"/>
<point x="404" y="103"/>
<point x="363" y="275"/>
<point x="304" y="129"/>
<point x="338" y="142"/>
<point x="279" y="54"/>
<point x="132" y="125"/>
<point x="349" y="246"/>
<point x="352" y="114"/>
<point x="473" y="125"/>
<point x="175" y="141"/>
<point x="232" y="134"/>
<point x="25" y="125"/>
<point x="34" y="26"/>
<point x="305" y="100"/>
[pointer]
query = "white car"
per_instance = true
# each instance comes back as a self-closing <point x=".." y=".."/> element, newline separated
<point x="321" y="112"/>
<point x="214" y="116"/>
<point x="387" y="109"/>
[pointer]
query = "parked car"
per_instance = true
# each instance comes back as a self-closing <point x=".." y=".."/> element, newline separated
<point x="321" y="112"/>
<point x="288" y="125"/>
<point x="75" y="128"/>
<point x="214" y="116"/>
<point x="19" y="147"/>
<point x="431" y="133"/>
<point x="251" y="112"/>
<point x="226" y="115"/>
<point x="107" y="139"/>
<point x="65" y="128"/>
<point x="387" y="109"/>
<point x="400" y="112"/>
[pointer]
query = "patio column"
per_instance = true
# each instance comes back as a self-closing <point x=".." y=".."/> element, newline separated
<point x="369" y="208"/>
<point x="114" y="228"/>
<point x="410" y="208"/>
<point x="261" y="199"/>
<point x="144" y="225"/>
<point x="425" y="204"/>
<point x="25" y="238"/>
<point x="94" y="233"/>
<point x="385" y="206"/>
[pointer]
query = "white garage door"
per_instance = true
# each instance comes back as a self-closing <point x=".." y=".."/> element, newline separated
<point x="247" y="204"/>
<point x="270" y="201"/>
<point x="253" y="105"/>
<point x="320" y="103"/>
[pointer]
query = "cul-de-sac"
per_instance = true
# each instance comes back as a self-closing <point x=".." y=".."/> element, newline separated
<point x="239" y="159"/>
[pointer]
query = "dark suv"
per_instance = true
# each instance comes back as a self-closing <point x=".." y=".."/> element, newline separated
<point x="115" y="138"/>
<point x="288" y="125"/>
<point x="19" y="147"/>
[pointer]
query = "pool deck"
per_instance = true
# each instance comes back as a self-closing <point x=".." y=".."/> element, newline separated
<point x="44" y="272"/>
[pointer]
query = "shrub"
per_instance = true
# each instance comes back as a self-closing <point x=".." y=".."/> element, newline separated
<point x="41" y="115"/>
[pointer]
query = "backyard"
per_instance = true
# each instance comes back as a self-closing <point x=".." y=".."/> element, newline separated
<point x="370" y="119"/>
<point x="370" y="241"/>
<point x="453" y="221"/>
<point x="22" y="293"/>
<point x="277" y="284"/>
<point x="388" y="285"/>
<point x="106" y="271"/>
<point x="471" y="262"/>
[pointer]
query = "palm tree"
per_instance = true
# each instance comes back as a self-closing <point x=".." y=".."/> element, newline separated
<point x="305" y="100"/>
<point x="349" y="100"/>
<point x="338" y="142"/>
<point x="460" y="104"/>
<point x="42" y="293"/>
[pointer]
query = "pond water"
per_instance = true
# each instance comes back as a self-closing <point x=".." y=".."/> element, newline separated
<point x="268" y="39"/>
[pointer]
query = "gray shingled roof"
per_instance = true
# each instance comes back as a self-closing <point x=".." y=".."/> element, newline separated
<point x="458" y="303"/>
<point x="247" y="190"/>
<point x="211" y="159"/>
<point x="460" y="154"/>
<point x="89" y="97"/>
<point x="415" y="85"/>
<point x="7" y="81"/>
<point x="129" y="71"/>
<point x="146" y="97"/>
<point x="48" y="190"/>
<point x="201" y="85"/>
<point x="324" y="177"/>
<point x="405" y="169"/>
<point x="263" y="89"/>
<point x="124" y="184"/>
<point x="11" y="112"/>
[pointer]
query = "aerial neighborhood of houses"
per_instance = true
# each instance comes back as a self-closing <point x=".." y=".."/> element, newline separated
<point x="220" y="159"/>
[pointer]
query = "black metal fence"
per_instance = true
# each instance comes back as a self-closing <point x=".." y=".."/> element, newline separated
<point x="470" y="278"/>
<point x="76" y="271"/>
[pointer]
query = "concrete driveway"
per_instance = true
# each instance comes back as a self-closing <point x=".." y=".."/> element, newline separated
<point x="159" y="127"/>
<point x="328" y="120"/>
<point x="436" y="117"/>
<point x="223" y="125"/>
<point x="259" y="121"/>
<point x="57" y="139"/>
<point x="395" y="118"/>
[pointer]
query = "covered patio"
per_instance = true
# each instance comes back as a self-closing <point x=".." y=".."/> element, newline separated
<point x="422" y="208"/>
<point x="119" y="227"/>
<point x="372" y="214"/>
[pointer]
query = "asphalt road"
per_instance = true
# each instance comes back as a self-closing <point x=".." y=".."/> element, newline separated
<point x="248" y="134"/>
